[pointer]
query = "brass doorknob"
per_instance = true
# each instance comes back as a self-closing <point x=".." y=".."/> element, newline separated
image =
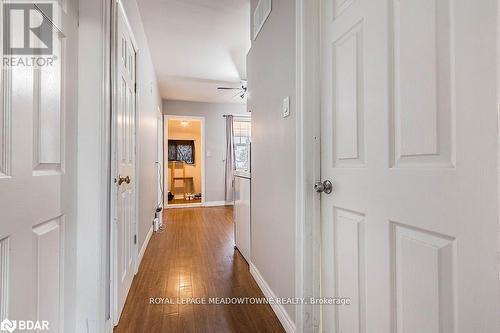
<point x="122" y="180"/>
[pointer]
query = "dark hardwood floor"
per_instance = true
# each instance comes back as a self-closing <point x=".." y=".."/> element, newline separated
<point x="194" y="258"/>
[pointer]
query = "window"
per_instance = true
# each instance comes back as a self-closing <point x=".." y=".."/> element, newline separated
<point x="181" y="151"/>
<point x="242" y="128"/>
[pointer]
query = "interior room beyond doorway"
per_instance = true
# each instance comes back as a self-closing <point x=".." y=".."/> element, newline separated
<point x="184" y="146"/>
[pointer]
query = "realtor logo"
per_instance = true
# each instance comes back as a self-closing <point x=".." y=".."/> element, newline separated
<point x="28" y="28"/>
<point x="8" y="325"/>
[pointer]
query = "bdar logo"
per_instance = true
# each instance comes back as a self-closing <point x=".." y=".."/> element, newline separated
<point x="8" y="325"/>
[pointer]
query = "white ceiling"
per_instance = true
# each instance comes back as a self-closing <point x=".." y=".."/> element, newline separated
<point x="197" y="46"/>
<point x="180" y="126"/>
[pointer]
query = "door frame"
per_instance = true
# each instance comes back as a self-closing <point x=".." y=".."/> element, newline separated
<point x="94" y="125"/>
<point x="115" y="316"/>
<point x="307" y="163"/>
<point x="203" y="158"/>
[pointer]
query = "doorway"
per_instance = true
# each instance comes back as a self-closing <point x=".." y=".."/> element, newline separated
<point x="184" y="161"/>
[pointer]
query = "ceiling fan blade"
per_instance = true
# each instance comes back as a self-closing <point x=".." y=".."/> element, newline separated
<point x="226" y="88"/>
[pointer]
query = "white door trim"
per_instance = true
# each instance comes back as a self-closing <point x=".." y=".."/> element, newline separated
<point x="308" y="228"/>
<point x="161" y="156"/>
<point x="203" y="158"/>
<point x="119" y="5"/>
<point x="498" y="125"/>
<point x="160" y="160"/>
<point x="94" y="112"/>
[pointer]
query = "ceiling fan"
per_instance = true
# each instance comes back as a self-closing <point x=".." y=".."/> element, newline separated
<point x="242" y="91"/>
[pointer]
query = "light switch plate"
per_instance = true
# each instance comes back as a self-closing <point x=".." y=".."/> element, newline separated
<point x="286" y="107"/>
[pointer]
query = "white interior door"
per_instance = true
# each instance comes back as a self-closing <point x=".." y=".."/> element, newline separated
<point x="124" y="152"/>
<point x="38" y="115"/>
<point x="409" y="141"/>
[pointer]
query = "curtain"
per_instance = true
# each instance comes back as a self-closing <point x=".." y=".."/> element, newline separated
<point x="229" y="159"/>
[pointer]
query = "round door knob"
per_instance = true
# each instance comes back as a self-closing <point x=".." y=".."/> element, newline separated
<point x="122" y="180"/>
<point x="324" y="187"/>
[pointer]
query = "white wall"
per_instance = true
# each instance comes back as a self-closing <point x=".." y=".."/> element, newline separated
<point x="148" y="101"/>
<point x="215" y="136"/>
<point x="271" y="77"/>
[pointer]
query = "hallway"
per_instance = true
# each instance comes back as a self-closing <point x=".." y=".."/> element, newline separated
<point x="194" y="258"/>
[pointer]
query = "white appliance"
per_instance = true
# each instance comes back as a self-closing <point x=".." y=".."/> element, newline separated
<point x="242" y="222"/>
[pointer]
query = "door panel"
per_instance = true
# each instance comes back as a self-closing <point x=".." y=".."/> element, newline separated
<point x="37" y="173"/>
<point x="48" y="115"/>
<point x="242" y="221"/>
<point x="124" y="146"/>
<point x="422" y="115"/>
<point x="429" y="258"/>
<point x="409" y="141"/>
<point x="348" y="112"/>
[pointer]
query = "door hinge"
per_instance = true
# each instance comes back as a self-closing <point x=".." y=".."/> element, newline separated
<point x="135" y="239"/>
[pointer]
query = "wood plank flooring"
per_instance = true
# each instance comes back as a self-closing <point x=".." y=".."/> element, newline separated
<point x="194" y="258"/>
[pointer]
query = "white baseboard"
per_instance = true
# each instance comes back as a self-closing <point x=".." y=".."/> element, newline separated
<point x="278" y="309"/>
<point x="176" y="206"/>
<point x="204" y="204"/>
<point x="217" y="203"/>
<point x="108" y="326"/>
<point x="143" y="249"/>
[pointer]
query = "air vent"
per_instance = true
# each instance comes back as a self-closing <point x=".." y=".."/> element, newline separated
<point x="260" y="16"/>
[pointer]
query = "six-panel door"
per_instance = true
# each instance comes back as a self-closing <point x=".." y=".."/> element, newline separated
<point x="38" y="114"/>
<point x="124" y="145"/>
<point x="409" y="141"/>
